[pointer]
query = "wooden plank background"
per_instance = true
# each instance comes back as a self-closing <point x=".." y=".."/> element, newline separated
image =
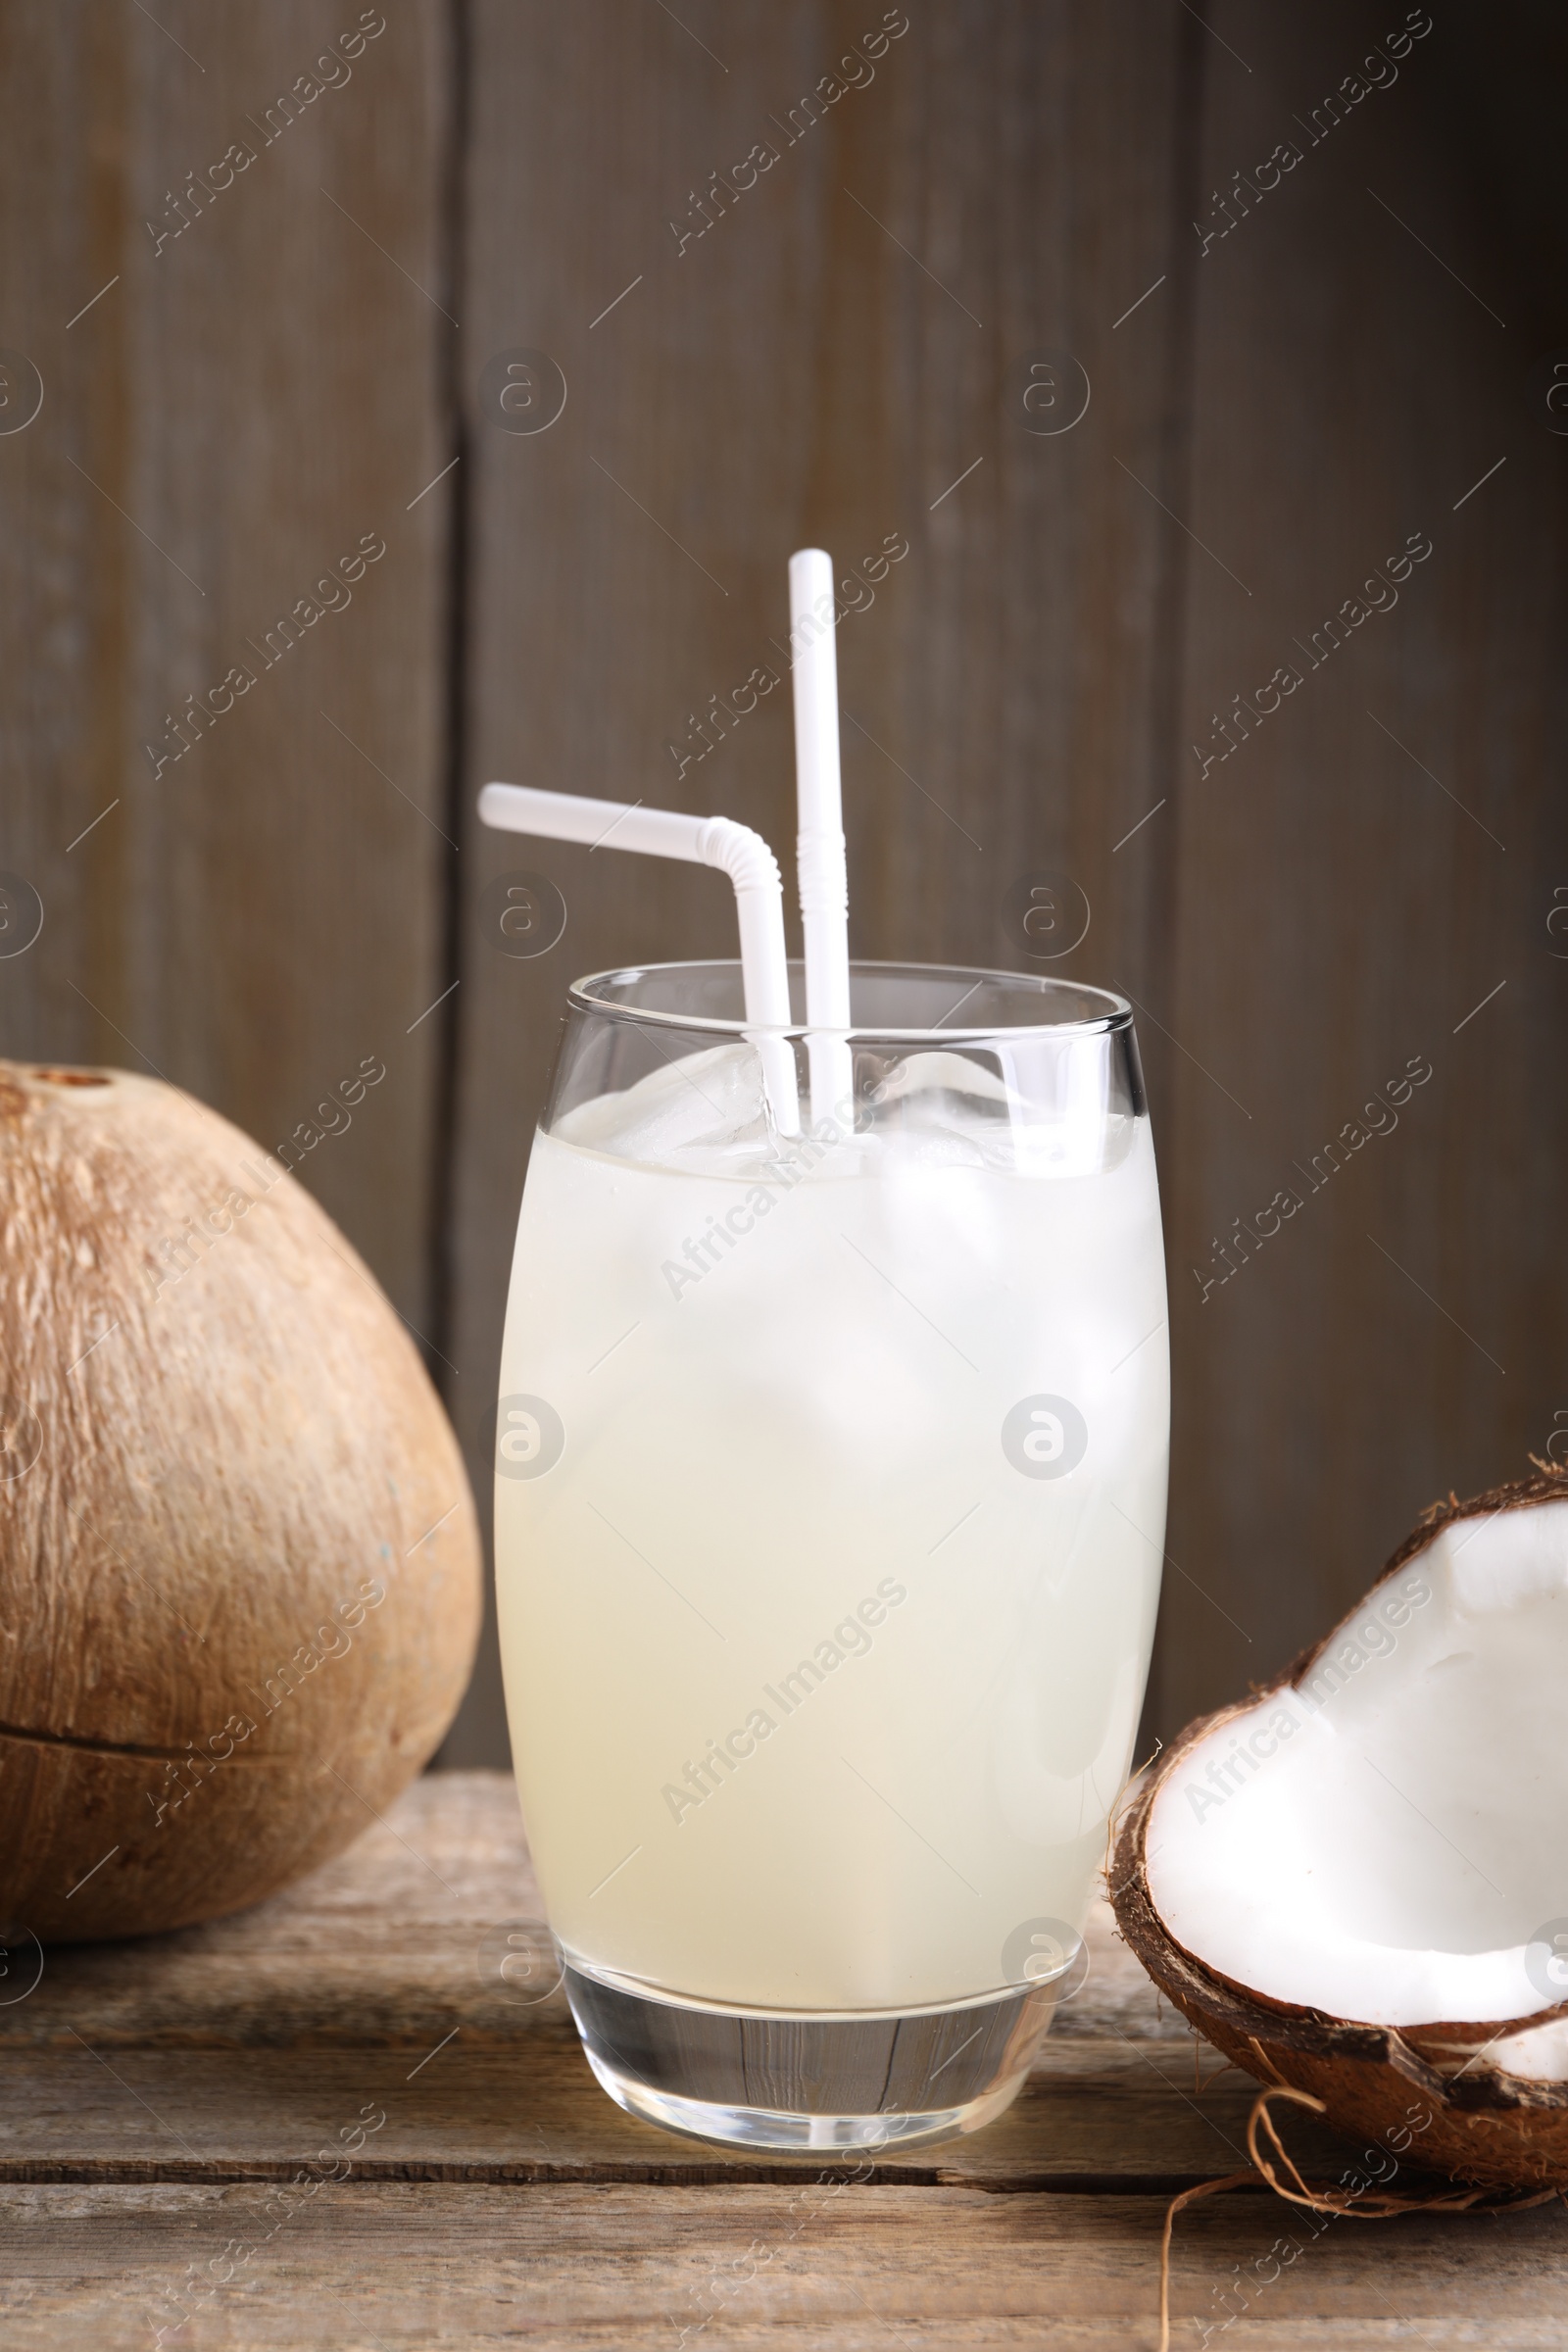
<point x="1272" y="413"/>
<point x="1377" y="859"/>
<point x="241" y="402"/>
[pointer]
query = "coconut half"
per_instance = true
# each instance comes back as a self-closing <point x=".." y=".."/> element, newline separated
<point x="1357" y="1881"/>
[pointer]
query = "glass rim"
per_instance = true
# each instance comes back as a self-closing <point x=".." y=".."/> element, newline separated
<point x="582" y="997"/>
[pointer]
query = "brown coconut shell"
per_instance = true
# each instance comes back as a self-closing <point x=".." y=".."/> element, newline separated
<point x="1400" y="2086"/>
<point x="217" y="1445"/>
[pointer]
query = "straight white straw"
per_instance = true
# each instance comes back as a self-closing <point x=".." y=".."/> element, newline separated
<point x="822" y="873"/>
<point x="734" y="849"/>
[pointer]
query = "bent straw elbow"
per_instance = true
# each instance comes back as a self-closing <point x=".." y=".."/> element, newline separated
<point x="754" y="871"/>
<point x="741" y="853"/>
<point x="735" y="849"/>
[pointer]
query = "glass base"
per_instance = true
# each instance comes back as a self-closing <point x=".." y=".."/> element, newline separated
<point x="778" y="2079"/>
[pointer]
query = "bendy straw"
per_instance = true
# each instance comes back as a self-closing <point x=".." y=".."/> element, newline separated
<point x="734" y="849"/>
<point x="823" y="875"/>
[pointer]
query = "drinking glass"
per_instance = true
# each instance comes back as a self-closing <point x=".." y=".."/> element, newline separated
<point x="830" y="1496"/>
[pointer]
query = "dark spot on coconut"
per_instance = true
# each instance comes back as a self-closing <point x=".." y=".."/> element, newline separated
<point x="70" y="1077"/>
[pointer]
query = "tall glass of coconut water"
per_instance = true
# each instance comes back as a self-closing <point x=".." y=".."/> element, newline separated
<point x="830" y="1509"/>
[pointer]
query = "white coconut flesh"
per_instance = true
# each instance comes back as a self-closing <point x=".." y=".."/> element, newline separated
<point x="1388" y="1842"/>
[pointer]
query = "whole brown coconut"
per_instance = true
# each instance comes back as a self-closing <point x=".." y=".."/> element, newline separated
<point x="1445" y="2095"/>
<point x="239" y="1570"/>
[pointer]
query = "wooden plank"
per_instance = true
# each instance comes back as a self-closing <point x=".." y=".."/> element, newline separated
<point x="1093" y="2114"/>
<point x="233" y="408"/>
<point x="822" y="363"/>
<point x="825" y="2265"/>
<point x="231" y="2051"/>
<point x="378" y="1948"/>
<point x="1375" y="859"/>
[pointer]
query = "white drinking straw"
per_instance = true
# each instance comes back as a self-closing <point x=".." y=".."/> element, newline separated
<point x="822" y="873"/>
<point x="734" y="849"/>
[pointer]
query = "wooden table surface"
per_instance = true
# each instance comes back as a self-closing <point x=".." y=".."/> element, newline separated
<point x="157" y="2095"/>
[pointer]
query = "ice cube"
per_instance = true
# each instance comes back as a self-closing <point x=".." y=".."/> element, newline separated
<point x="702" y="1112"/>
